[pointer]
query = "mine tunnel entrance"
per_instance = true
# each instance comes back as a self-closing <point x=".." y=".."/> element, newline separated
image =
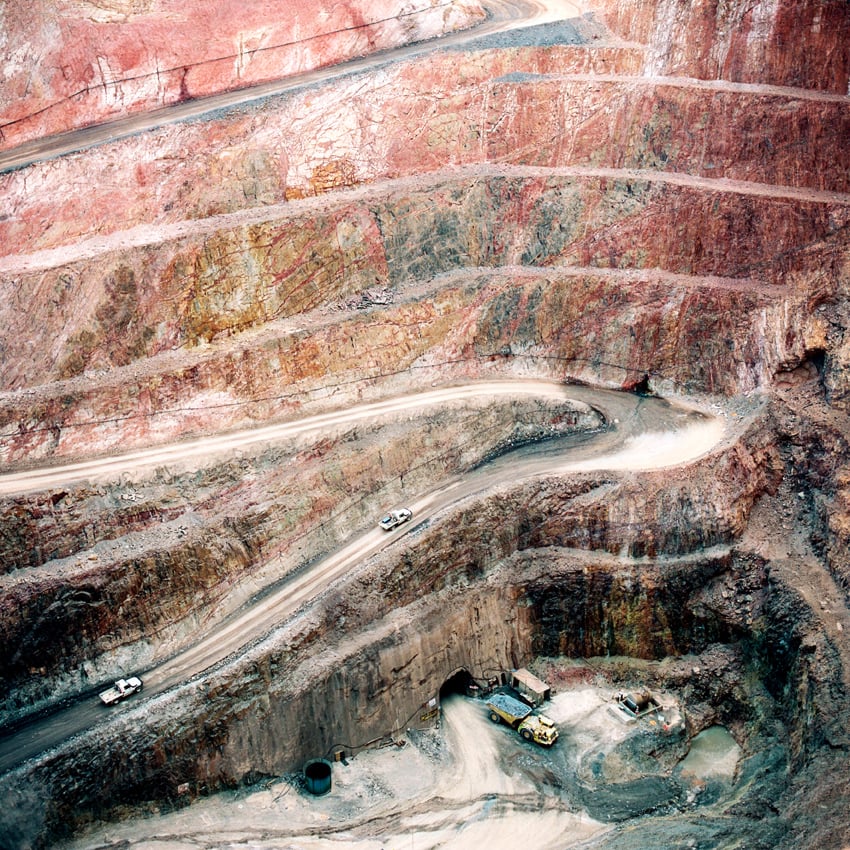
<point x="639" y="387"/>
<point x="459" y="682"/>
<point x="816" y="359"/>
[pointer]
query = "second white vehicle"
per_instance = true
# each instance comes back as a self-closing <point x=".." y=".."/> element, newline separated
<point x="395" y="518"/>
<point x="122" y="689"/>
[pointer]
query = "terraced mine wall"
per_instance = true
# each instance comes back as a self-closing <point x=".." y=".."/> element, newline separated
<point x="521" y="210"/>
<point x="552" y="107"/>
<point x="751" y="270"/>
<point x="160" y="554"/>
<point x="554" y="294"/>
<point x="492" y="585"/>
<point x="79" y="64"/>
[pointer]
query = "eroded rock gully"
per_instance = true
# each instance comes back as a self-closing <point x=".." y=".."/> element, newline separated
<point x="652" y="197"/>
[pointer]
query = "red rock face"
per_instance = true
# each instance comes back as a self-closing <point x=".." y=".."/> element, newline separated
<point x="566" y="156"/>
<point x="667" y="210"/>
<point x="771" y="42"/>
<point x="561" y="107"/>
<point x="69" y="64"/>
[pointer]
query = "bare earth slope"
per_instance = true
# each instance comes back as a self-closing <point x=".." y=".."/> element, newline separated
<point x="71" y="63"/>
<point x="648" y="196"/>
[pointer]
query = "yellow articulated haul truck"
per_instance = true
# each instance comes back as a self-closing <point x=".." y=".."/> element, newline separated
<point x="533" y="727"/>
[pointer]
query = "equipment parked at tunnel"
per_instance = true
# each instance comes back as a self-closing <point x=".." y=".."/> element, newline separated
<point x="121" y="690"/>
<point x="532" y="727"/>
<point x="532" y="690"/>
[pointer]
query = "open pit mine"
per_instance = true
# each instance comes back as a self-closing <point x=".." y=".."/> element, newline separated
<point x="566" y="286"/>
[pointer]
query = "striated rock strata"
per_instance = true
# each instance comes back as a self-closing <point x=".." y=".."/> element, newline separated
<point x="335" y="675"/>
<point x="117" y="563"/>
<point x="654" y="197"/>
<point x="72" y="63"/>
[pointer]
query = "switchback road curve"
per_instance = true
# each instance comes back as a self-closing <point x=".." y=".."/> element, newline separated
<point x="641" y="433"/>
<point x="196" y="450"/>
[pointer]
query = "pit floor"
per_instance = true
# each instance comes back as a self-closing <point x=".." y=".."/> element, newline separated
<point x="467" y="784"/>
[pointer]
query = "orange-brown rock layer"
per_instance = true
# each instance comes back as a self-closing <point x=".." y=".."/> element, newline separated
<point x="513" y="323"/>
<point x="124" y="306"/>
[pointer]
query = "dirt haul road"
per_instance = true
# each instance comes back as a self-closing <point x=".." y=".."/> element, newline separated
<point x="628" y="415"/>
<point x="642" y="433"/>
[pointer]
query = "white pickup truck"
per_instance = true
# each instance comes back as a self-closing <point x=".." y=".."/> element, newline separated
<point x="122" y="689"/>
<point x="395" y="518"/>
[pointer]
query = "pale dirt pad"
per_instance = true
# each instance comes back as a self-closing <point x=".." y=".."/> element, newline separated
<point x="470" y="784"/>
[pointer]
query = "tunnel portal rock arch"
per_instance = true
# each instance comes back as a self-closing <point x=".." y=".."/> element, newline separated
<point x="460" y="681"/>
